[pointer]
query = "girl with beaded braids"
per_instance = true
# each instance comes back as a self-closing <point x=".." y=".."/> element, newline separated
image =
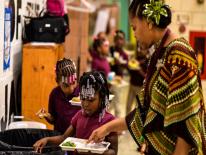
<point x="94" y="96"/>
<point x="61" y="111"/>
<point x="169" y="118"/>
<point x="98" y="83"/>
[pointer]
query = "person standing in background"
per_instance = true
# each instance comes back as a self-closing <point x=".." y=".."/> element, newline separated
<point x="120" y="58"/>
<point x="137" y="68"/>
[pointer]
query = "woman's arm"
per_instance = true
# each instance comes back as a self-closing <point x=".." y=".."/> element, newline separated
<point x="114" y="126"/>
<point x="182" y="147"/>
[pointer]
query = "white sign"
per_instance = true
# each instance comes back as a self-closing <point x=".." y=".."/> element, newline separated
<point x="102" y="21"/>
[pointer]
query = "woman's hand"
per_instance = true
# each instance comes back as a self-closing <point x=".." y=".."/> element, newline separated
<point x="116" y="125"/>
<point x="39" y="145"/>
<point x="143" y="149"/>
<point x="182" y="147"/>
<point x="98" y="135"/>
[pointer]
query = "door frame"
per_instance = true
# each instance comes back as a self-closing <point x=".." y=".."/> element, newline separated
<point x="193" y="35"/>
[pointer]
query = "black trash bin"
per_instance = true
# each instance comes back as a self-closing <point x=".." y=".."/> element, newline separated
<point x="20" y="142"/>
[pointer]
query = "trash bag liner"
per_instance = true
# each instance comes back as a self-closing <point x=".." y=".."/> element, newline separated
<point x="21" y="141"/>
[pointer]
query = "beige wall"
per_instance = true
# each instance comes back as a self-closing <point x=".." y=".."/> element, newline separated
<point x="189" y="12"/>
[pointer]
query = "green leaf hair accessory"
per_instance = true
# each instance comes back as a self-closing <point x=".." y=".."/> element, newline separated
<point x="154" y="10"/>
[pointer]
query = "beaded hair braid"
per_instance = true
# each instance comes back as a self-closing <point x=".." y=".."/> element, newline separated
<point x="92" y="82"/>
<point x="65" y="71"/>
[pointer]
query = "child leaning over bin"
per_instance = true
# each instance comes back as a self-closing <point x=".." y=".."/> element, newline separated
<point x="94" y="96"/>
<point x="60" y="110"/>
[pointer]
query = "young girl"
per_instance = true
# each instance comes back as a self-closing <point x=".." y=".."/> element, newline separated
<point x="100" y="63"/>
<point x="94" y="96"/>
<point x="60" y="109"/>
<point x="99" y="56"/>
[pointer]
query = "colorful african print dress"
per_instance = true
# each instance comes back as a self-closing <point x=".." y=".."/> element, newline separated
<point x="175" y="103"/>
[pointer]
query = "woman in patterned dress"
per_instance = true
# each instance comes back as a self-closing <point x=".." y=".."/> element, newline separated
<point x="169" y="118"/>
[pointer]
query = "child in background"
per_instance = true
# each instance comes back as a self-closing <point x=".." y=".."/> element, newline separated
<point x="100" y="35"/>
<point x="99" y="56"/>
<point x="118" y="62"/>
<point x="94" y="95"/>
<point x="118" y="54"/>
<point x="100" y="63"/>
<point x="137" y="67"/>
<point x="60" y="110"/>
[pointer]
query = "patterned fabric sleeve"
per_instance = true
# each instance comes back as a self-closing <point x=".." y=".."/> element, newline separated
<point x="135" y="126"/>
<point x="176" y="104"/>
<point x="183" y="106"/>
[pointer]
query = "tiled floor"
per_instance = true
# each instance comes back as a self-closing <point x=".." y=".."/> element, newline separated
<point x="127" y="145"/>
